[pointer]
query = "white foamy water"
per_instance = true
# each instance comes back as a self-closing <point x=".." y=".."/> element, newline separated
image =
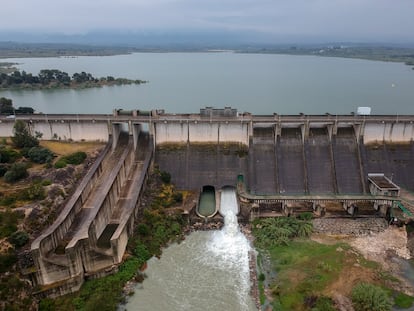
<point x="207" y="271"/>
<point x="231" y="247"/>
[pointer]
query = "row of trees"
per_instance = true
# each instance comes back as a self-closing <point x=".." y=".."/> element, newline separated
<point x="47" y="77"/>
<point x="6" y="107"/>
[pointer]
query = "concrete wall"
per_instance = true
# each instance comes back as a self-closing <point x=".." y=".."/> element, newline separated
<point x="171" y="132"/>
<point x="234" y="132"/>
<point x="82" y="130"/>
<point x="388" y="132"/>
<point x="6" y="128"/>
<point x="204" y="132"/>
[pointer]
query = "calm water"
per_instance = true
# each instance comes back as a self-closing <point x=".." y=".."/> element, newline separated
<point x="261" y="84"/>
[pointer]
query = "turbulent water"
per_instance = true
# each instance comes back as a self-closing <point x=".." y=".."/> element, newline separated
<point x="207" y="271"/>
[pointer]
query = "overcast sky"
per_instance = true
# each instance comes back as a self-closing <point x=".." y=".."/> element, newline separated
<point x="337" y="20"/>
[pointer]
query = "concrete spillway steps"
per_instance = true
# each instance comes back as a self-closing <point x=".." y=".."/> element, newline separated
<point x="125" y="199"/>
<point x="58" y="255"/>
<point x="79" y="228"/>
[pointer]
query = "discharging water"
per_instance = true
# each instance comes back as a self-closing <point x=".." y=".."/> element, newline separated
<point x="207" y="271"/>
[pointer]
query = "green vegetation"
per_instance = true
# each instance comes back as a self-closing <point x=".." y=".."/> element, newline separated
<point x="8" y="155"/>
<point x="7" y="260"/>
<point x="404" y="301"/>
<point x="8" y="222"/>
<point x="16" y="172"/>
<point x="271" y="232"/>
<point x="40" y="155"/>
<point x="19" y="238"/>
<point x="304" y="269"/>
<point x="22" y="137"/>
<point x="307" y="270"/>
<point x="75" y="158"/>
<point x="165" y="177"/>
<point x="53" y="78"/>
<point x="6" y="107"/>
<point x="368" y="297"/>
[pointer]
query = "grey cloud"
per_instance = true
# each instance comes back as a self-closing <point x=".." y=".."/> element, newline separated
<point x="342" y="19"/>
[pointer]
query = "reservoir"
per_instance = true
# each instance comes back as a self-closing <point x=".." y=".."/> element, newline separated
<point x="257" y="83"/>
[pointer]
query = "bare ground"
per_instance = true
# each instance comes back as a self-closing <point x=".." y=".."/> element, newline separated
<point x="381" y="247"/>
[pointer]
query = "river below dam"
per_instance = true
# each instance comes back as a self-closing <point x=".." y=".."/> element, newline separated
<point x="209" y="270"/>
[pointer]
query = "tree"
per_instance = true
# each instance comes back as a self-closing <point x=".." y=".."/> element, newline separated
<point x="6" y="106"/>
<point x="22" y="137"/>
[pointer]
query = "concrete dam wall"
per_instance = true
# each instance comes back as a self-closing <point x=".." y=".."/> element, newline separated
<point x="297" y="161"/>
<point x="281" y="158"/>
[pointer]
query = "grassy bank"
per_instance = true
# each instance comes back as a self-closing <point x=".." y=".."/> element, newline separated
<point x="301" y="274"/>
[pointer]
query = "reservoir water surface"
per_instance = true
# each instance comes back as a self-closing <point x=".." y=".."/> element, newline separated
<point x="257" y="83"/>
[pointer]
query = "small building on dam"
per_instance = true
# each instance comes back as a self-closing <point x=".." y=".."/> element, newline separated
<point x="276" y="162"/>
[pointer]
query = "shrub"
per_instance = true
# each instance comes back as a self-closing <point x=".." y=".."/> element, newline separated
<point x="142" y="253"/>
<point x="34" y="192"/>
<point x="16" y="172"/>
<point x="7" y="260"/>
<point x="8" y="200"/>
<point x="46" y="182"/>
<point x="40" y="155"/>
<point x="279" y="231"/>
<point x="61" y="163"/>
<point x="324" y="304"/>
<point x="178" y="197"/>
<point x="8" y="222"/>
<point x="75" y="158"/>
<point x="261" y="277"/>
<point x="8" y="155"/>
<point x="19" y="238"/>
<point x="403" y="301"/>
<point x="143" y="229"/>
<point x="368" y="297"/>
<point x="165" y="177"/>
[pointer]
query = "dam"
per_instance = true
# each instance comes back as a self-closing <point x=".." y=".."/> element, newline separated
<point x="279" y="164"/>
